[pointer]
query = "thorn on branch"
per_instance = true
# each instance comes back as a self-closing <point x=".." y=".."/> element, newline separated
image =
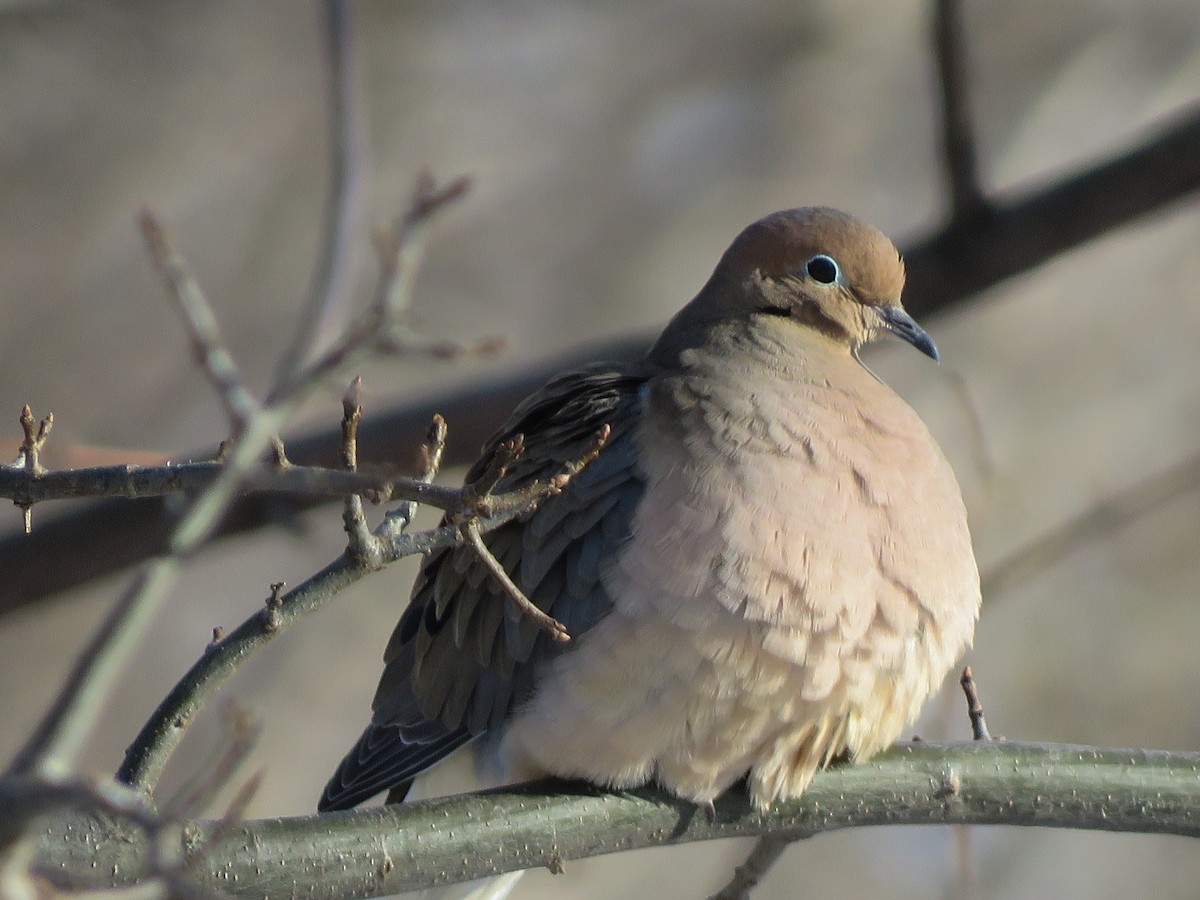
<point x="271" y="618"/>
<point x="979" y="729"/>
<point x="218" y="635"/>
<point x="432" y="448"/>
<point x="29" y="455"/>
<point x="279" y="453"/>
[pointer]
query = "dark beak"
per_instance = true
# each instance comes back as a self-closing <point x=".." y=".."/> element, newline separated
<point x="902" y="325"/>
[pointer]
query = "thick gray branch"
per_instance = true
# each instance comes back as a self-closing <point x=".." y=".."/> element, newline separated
<point x="374" y="852"/>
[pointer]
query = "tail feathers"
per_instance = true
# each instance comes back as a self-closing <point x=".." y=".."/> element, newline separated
<point x="385" y="756"/>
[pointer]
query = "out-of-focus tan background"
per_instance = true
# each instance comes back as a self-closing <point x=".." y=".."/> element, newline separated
<point x="616" y="148"/>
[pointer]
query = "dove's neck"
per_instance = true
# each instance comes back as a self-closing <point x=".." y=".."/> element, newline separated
<point x="778" y="348"/>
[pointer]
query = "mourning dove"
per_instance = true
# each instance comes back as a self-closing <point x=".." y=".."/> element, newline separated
<point x="767" y="567"/>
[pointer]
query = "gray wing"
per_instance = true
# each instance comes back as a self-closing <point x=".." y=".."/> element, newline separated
<point x="462" y="654"/>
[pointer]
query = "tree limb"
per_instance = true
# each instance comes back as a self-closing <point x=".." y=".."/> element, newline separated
<point x="386" y="850"/>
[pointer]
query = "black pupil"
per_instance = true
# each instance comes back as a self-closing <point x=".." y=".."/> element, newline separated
<point x="822" y="269"/>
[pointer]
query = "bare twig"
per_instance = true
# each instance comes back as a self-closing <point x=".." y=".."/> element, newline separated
<point x="353" y="519"/>
<point x="547" y="623"/>
<point x="478" y="501"/>
<point x="61" y="732"/>
<point x="342" y="222"/>
<point x="766" y="851"/>
<point x="136" y="482"/>
<point x="979" y="729"/>
<point x="148" y="754"/>
<point x="209" y="348"/>
<point x="432" y="448"/>
<point x="477" y="493"/>
<point x="967" y="199"/>
<point x="52" y="747"/>
<point x="400" y="250"/>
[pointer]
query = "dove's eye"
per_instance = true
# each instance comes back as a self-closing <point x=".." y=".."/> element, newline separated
<point x="822" y="269"/>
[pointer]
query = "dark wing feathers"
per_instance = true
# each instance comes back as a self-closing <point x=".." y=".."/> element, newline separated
<point x="462" y="655"/>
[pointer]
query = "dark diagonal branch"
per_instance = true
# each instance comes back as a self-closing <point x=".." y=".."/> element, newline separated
<point x="958" y="136"/>
<point x="1027" y="230"/>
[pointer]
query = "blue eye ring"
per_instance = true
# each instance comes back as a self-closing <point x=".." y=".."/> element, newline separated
<point x="823" y="269"/>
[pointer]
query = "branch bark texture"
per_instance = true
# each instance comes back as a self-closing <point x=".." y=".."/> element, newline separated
<point x="385" y="850"/>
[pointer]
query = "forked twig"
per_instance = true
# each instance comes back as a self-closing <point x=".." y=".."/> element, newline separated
<point x="29" y="456"/>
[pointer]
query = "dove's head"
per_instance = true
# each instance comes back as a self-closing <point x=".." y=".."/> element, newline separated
<point x="818" y="266"/>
